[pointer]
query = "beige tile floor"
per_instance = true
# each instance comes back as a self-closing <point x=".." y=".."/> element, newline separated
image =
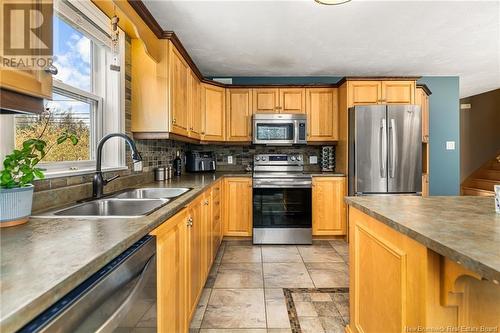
<point x="244" y="294"/>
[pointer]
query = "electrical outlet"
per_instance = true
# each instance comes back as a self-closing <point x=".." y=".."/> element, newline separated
<point x="229" y="160"/>
<point x="313" y="159"/>
<point x="138" y="166"/>
<point x="450" y="145"/>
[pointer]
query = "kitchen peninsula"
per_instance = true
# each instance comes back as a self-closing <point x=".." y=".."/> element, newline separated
<point x="424" y="264"/>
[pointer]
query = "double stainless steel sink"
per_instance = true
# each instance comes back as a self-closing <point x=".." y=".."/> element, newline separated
<point x="126" y="204"/>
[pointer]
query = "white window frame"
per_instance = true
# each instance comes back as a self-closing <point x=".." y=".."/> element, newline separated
<point x="110" y="112"/>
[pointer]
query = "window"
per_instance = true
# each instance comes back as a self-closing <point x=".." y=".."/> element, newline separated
<point x="88" y="97"/>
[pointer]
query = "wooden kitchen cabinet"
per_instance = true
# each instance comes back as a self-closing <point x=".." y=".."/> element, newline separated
<point x="328" y="207"/>
<point x="179" y="87"/>
<point x="265" y="100"/>
<point x="422" y="99"/>
<point x="196" y="262"/>
<point x="279" y="100"/>
<point x="172" y="273"/>
<point x="381" y="92"/>
<point x="322" y="114"/>
<point x="216" y="216"/>
<point x="213" y="110"/>
<point x="239" y="114"/>
<point x="35" y="82"/>
<point x="398" y="92"/>
<point x="238" y="206"/>
<point x="207" y="232"/>
<point x="292" y="100"/>
<point x="195" y="118"/>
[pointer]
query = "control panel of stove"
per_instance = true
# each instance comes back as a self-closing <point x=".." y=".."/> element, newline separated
<point x="279" y="159"/>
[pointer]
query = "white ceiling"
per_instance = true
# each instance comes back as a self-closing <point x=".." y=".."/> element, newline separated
<point x="360" y="38"/>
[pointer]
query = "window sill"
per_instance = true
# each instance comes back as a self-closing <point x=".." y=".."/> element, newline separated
<point x="79" y="172"/>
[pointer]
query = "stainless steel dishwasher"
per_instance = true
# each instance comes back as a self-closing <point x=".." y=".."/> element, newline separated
<point x="120" y="297"/>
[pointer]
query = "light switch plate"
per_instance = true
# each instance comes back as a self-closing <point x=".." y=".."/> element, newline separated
<point x="450" y="145"/>
<point x="313" y="159"/>
<point x="229" y="160"/>
<point x="138" y="166"/>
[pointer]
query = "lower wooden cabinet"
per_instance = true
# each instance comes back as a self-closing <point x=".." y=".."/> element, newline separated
<point x="172" y="273"/>
<point x="328" y="208"/>
<point x="238" y="206"/>
<point x="186" y="247"/>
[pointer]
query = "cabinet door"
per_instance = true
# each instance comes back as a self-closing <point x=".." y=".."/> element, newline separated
<point x="171" y="256"/>
<point x="194" y="106"/>
<point x="238" y="206"/>
<point x="207" y="233"/>
<point x="329" y="211"/>
<point x="364" y="92"/>
<point x="425" y="185"/>
<point x="322" y="114"/>
<point x="213" y="106"/>
<point x="33" y="81"/>
<point x="196" y="255"/>
<point x="216" y="217"/>
<point x="238" y="114"/>
<point x="422" y="99"/>
<point x="179" y="74"/>
<point x="265" y="100"/>
<point x="398" y="92"/>
<point x="292" y="100"/>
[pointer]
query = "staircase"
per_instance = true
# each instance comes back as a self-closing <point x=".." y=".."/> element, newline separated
<point x="481" y="181"/>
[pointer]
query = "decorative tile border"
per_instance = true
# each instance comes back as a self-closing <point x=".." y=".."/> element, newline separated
<point x="292" y="311"/>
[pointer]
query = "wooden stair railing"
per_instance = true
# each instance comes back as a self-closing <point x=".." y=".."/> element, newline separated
<point x="482" y="181"/>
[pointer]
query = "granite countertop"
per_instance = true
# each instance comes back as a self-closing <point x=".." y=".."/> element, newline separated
<point x="465" y="229"/>
<point x="46" y="258"/>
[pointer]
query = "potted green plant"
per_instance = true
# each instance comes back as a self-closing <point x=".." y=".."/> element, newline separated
<point x="20" y="169"/>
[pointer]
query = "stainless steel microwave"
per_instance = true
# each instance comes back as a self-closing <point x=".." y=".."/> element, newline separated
<point x="279" y="129"/>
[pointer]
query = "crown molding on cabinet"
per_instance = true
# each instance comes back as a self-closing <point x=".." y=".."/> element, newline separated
<point x="424" y="88"/>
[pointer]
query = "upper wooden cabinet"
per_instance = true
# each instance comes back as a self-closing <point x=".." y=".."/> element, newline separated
<point x="381" y="92"/>
<point x="292" y="100"/>
<point x="195" y="118"/>
<point x="238" y="114"/>
<point x="322" y="114"/>
<point x="238" y="206"/>
<point x="35" y="82"/>
<point x="329" y="210"/>
<point x="279" y="100"/>
<point x="179" y="78"/>
<point x="265" y="100"/>
<point x="422" y="99"/>
<point x="213" y="110"/>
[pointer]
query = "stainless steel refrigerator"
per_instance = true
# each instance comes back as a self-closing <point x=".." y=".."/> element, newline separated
<point x="385" y="149"/>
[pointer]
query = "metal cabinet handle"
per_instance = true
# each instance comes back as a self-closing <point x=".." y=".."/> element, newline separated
<point x="205" y="202"/>
<point x="190" y="222"/>
<point x="51" y="69"/>
<point x="173" y="121"/>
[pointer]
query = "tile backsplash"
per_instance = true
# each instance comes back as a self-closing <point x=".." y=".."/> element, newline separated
<point x="243" y="155"/>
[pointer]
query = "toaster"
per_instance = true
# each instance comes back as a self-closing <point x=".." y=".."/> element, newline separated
<point x="200" y="161"/>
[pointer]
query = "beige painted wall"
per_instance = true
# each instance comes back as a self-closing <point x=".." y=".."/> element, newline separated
<point x="479" y="131"/>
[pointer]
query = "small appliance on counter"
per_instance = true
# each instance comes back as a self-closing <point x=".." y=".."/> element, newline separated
<point x="328" y="158"/>
<point x="200" y="161"/>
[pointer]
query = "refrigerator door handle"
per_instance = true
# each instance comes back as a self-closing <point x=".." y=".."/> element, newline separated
<point x="394" y="150"/>
<point x="383" y="148"/>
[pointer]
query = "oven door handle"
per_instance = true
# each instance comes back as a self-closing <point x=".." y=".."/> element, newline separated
<point x="295" y="183"/>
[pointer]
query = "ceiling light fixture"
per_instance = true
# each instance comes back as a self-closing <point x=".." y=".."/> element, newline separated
<point x="331" y="2"/>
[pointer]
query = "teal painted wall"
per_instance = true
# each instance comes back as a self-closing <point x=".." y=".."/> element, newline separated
<point x="444" y="176"/>
<point x="444" y="125"/>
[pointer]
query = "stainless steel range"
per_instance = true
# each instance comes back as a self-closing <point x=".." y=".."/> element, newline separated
<point x="281" y="200"/>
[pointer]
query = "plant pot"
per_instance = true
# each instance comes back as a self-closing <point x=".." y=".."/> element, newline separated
<point x="15" y="205"/>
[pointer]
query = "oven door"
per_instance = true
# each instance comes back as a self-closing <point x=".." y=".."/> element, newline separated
<point x="282" y="215"/>
<point x="274" y="132"/>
